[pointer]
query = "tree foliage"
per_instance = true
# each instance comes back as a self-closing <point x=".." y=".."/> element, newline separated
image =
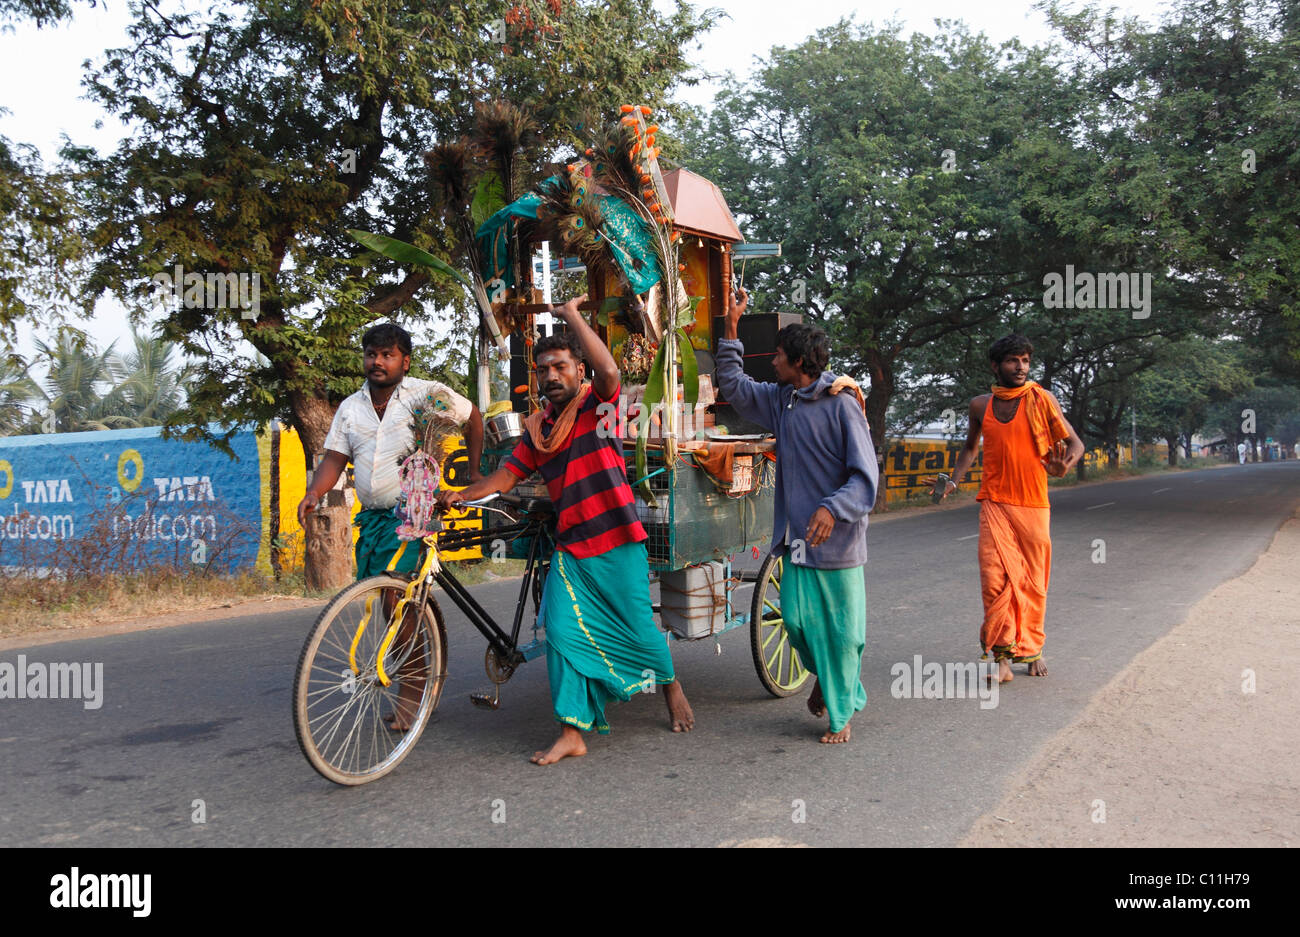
<point x="264" y="130"/>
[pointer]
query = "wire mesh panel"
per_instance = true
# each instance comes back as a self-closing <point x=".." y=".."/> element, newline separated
<point x="693" y="520"/>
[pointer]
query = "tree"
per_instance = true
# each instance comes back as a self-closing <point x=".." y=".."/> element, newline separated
<point x="150" y="388"/>
<point x="892" y="171"/>
<point x="1173" y="398"/>
<point x="1205" y="106"/>
<point x="43" y="12"/>
<point x="16" y="394"/>
<point x="1263" y="411"/>
<point x="78" y="390"/>
<point x="41" y="253"/>
<point x="262" y="134"/>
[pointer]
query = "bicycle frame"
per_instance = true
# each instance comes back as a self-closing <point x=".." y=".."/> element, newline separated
<point x="505" y="645"/>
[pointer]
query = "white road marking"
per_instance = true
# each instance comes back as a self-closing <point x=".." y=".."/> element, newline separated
<point x="1158" y="490"/>
<point x="1095" y="506"/>
<point x="970" y="537"/>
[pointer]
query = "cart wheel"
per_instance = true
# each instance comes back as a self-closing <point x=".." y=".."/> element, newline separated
<point x="778" y="665"/>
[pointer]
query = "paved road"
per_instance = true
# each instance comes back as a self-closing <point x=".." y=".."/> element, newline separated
<point x="202" y="711"/>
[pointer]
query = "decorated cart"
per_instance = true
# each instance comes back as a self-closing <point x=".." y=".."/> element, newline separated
<point x="656" y="250"/>
<point x="656" y="247"/>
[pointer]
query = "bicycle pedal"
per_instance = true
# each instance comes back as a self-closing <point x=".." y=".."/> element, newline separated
<point x="486" y="700"/>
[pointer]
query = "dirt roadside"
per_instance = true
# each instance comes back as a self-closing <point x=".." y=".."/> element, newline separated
<point x="1192" y="744"/>
<point x="258" y="605"/>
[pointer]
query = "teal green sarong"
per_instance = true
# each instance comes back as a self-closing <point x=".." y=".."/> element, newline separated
<point x="378" y="543"/>
<point x="601" y="638"/>
<point x="825" y="612"/>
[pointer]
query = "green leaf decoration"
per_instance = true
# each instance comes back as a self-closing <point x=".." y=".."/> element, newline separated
<point x="654" y="394"/>
<point x="690" y="369"/>
<point x="405" y="253"/>
<point x="489" y="198"/>
<point x="646" y="494"/>
<point x="655" y="383"/>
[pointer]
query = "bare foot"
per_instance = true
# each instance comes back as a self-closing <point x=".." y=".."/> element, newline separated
<point x="816" y="703"/>
<point x="1038" y="668"/>
<point x="836" y="738"/>
<point x="680" y="714"/>
<point x="568" y="745"/>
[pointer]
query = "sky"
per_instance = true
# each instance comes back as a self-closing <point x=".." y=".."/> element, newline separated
<point x="41" y="70"/>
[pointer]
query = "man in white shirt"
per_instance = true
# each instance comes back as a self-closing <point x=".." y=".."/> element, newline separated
<point x="373" y="430"/>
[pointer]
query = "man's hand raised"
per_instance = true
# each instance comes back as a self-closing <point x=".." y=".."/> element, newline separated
<point x="1055" y="461"/>
<point x="737" y="303"/>
<point x="571" y="307"/>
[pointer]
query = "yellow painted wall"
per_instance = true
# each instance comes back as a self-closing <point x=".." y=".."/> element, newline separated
<point x="908" y="461"/>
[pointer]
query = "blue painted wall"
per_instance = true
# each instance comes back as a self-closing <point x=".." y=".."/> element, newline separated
<point x="126" y="499"/>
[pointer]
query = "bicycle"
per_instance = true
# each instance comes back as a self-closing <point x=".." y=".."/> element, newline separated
<point x="385" y="634"/>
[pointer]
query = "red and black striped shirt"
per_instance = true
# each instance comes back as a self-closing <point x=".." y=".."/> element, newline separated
<point x="587" y="479"/>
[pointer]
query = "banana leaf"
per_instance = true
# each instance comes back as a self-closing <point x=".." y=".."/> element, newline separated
<point x="654" y="395"/>
<point x="690" y="369"/>
<point x="405" y="253"/>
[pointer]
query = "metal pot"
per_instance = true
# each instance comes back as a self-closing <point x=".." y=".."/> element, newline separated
<point x="504" y="429"/>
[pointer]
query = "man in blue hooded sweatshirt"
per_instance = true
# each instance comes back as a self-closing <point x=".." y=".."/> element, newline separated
<point x="826" y="478"/>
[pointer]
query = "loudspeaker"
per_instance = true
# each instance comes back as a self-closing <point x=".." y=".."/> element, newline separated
<point x="757" y="331"/>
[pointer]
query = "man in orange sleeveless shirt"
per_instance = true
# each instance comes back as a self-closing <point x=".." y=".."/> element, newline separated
<point x="1026" y="438"/>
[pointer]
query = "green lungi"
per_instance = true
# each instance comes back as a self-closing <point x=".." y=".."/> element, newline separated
<point x="601" y="638"/>
<point x="825" y="613"/>
<point x="378" y="543"/>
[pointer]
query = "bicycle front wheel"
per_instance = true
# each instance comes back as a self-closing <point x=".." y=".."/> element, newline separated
<point x="342" y="707"/>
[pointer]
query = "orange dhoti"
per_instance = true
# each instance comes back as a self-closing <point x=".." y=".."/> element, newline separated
<point x="1015" y="551"/>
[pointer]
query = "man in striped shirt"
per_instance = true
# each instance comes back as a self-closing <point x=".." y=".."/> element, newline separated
<point x="601" y="639"/>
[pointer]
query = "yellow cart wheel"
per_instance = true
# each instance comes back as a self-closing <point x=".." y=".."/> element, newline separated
<point x="778" y="665"/>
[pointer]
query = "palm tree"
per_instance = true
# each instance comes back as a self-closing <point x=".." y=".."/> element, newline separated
<point x="17" y="392"/>
<point x="149" y="387"/>
<point x="72" y="390"/>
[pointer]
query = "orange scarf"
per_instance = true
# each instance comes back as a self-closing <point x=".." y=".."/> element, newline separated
<point x="549" y="445"/>
<point x="1045" y="420"/>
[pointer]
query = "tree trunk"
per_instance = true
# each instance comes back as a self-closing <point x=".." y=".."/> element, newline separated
<point x="882" y="389"/>
<point x="1172" y="443"/>
<point x="328" y="563"/>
